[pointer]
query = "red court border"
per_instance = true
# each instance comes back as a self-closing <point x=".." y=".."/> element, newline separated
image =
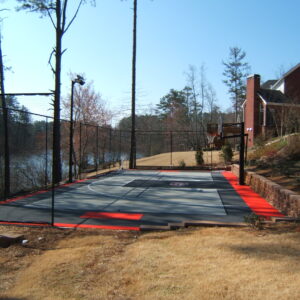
<point x="50" y="189"/>
<point x="63" y="225"/>
<point x="256" y="203"/>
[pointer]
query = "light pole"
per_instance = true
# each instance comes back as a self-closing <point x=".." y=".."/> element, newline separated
<point x="80" y="80"/>
<point x="132" y="160"/>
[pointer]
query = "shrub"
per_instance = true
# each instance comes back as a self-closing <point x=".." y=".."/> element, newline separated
<point x="227" y="153"/>
<point x="254" y="221"/>
<point x="182" y="164"/>
<point x="269" y="150"/>
<point x="259" y="141"/>
<point x="199" y="157"/>
<point x="292" y="149"/>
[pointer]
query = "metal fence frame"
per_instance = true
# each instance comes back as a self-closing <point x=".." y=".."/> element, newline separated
<point x="95" y="148"/>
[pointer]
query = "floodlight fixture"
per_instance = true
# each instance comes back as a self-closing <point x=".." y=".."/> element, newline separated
<point x="79" y="79"/>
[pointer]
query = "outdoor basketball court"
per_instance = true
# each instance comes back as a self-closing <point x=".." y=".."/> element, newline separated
<point x="129" y="199"/>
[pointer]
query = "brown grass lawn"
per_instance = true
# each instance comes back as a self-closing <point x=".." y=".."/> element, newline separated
<point x="165" y="159"/>
<point x="188" y="157"/>
<point x="196" y="263"/>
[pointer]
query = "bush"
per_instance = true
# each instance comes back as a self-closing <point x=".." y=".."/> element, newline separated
<point x="292" y="149"/>
<point x="227" y="153"/>
<point x="199" y="157"/>
<point x="270" y="150"/>
<point x="182" y="164"/>
<point x="254" y="221"/>
<point x="259" y="141"/>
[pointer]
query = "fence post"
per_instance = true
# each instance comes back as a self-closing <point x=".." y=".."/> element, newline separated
<point x="242" y="153"/>
<point x="46" y="154"/>
<point x="6" y="154"/>
<point x="97" y="147"/>
<point x="110" y="156"/>
<point x="79" y="169"/>
<point x="120" y="147"/>
<point x="171" y="148"/>
<point x="71" y="130"/>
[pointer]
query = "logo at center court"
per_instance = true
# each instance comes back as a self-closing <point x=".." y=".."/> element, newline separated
<point x="178" y="184"/>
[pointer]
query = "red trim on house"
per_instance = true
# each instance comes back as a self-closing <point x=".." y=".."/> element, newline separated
<point x="112" y="215"/>
<point x="257" y="203"/>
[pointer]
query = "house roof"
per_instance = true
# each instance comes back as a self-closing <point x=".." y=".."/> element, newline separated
<point x="268" y="84"/>
<point x="273" y="96"/>
<point x="285" y="75"/>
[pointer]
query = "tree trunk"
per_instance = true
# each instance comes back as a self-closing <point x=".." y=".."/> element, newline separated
<point x="56" y="167"/>
<point x="5" y="127"/>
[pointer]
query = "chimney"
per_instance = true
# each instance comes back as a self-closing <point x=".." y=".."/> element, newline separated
<point x="252" y="108"/>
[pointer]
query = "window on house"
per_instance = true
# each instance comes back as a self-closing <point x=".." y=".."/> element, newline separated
<point x="261" y="115"/>
<point x="270" y="116"/>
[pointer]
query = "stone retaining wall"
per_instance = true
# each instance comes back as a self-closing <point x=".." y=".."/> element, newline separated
<point x="287" y="201"/>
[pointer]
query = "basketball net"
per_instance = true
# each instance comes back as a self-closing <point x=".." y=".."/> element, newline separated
<point x="210" y="138"/>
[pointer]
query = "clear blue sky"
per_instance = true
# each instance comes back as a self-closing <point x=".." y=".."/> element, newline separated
<point x="172" y="34"/>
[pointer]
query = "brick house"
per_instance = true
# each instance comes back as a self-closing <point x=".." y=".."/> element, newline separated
<point x="272" y="108"/>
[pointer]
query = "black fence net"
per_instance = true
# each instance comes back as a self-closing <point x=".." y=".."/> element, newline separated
<point x="94" y="148"/>
<point x="163" y="148"/>
<point x="26" y="189"/>
<point x="26" y="163"/>
<point x="30" y="152"/>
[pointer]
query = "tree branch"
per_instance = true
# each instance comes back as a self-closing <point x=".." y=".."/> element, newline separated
<point x="49" y="14"/>
<point x="49" y="61"/>
<point x="74" y="17"/>
<point x="64" y="16"/>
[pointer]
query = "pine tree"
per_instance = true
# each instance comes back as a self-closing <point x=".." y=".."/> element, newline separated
<point x="236" y="71"/>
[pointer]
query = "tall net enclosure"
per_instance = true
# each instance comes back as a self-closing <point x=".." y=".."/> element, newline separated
<point x="1" y="155"/>
<point x="97" y="148"/>
<point x="164" y="148"/>
<point x="124" y="138"/>
<point x="30" y="151"/>
<point x="149" y="147"/>
<point x="29" y="160"/>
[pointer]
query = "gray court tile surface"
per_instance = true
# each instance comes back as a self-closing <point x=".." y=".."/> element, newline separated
<point x="160" y="196"/>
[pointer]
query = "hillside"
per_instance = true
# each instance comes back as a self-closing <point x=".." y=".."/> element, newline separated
<point x="278" y="160"/>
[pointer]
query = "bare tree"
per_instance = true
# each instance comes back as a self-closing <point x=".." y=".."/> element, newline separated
<point x="211" y="100"/>
<point x="56" y="10"/>
<point x="5" y="126"/>
<point x="192" y="92"/>
<point x="5" y="120"/>
<point x="198" y="84"/>
<point x="90" y="112"/>
<point x="89" y="107"/>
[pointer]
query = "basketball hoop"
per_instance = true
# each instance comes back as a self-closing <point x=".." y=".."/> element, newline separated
<point x="210" y="138"/>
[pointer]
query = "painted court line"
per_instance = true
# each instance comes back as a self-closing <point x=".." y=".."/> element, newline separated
<point x="43" y="191"/>
<point x="257" y="203"/>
